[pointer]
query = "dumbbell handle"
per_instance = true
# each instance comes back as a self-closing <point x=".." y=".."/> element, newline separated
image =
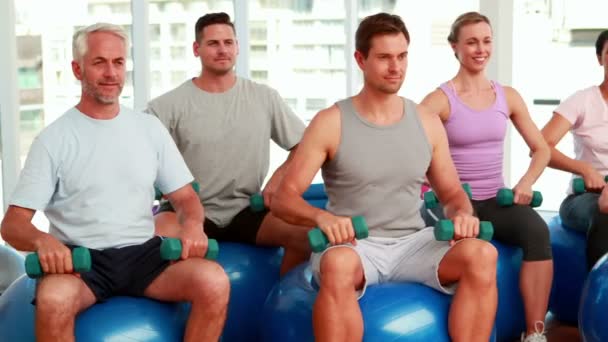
<point x="171" y="249"/>
<point x="256" y="203"/>
<point x="505" y="198"/>
<point x="319" y="242"/>
<point x="444" y="230"/>
<point x="578" y="185"/>
<point x="81" y="262"/>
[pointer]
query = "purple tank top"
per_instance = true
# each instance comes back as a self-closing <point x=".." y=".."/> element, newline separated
<point x="476" y="141"/>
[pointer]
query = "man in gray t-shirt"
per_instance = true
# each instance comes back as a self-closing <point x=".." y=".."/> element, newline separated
<point x="222" y="124"/>
<point x="93" y="173"/>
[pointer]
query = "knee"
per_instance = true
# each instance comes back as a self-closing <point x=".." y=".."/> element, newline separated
<point x="536" y="243"/>
<point x="210" y="285"/>
<point x="339" y="267"/>
<point x="57" y="298"/>
<point x="480" y="259"/>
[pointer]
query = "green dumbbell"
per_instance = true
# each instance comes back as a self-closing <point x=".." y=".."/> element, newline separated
<point x="431" y="201"/>
<point x="319" y="242"/>
<point x="256" y="203"/>
<point x="504" y="198"/>
<point x="158" y="195"/>
<point x="171" y="249"/>
<point x="444" y="230"/>
<point x="578" y="185"/>
<point x="81" y="262"/>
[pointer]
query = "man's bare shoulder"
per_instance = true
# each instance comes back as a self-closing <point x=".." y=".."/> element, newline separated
<point x="430" y="121"/>
<point x="327" y="117"/>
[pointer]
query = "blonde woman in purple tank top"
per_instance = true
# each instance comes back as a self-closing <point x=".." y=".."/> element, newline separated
<point x="475" y="112"/>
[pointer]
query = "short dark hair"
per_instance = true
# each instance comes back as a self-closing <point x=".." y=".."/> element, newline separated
<point x="375" y="25"/>
<point x="600" y="42"/>
<point x="211" y="19"/>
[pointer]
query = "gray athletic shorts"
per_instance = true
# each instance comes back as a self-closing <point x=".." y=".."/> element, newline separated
<point x="412" y="258"/>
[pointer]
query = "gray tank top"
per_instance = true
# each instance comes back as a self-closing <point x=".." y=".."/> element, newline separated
<point x="377" y="171"/>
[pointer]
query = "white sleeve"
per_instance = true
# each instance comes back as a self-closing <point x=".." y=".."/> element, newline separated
<point x="38" y="179"/>
<point x="173" y="173"/>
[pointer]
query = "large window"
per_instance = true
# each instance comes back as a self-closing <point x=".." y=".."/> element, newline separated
<point x="297" y="47"/>
<point x="47" y="87"/>
<point x="171" y="34"/>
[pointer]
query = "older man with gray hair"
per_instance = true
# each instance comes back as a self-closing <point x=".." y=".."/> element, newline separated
<point x="93" y="173"/>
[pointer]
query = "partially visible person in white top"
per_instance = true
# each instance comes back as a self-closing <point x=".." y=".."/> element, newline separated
<point x="585" y="115"/>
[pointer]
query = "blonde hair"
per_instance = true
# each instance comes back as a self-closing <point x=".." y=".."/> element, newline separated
<point x="79" y="40"/>
<point x="464" y="20"/>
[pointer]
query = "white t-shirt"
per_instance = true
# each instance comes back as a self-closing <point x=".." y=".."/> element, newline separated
<point x="94" y="179"/>
<point x="587" y="112"/>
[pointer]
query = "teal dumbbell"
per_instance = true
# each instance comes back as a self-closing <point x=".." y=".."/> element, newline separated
<point x="578" y="185"/>
<point x="256" y="203"/>
<point x="81" y="262"/>
<point x="431" y="201"/>
<point x="319" y="242"/>
<point x="444" y="230"/>
<point x="158" y="195"/>
<point x="504" y="198"/>
<point x="171" y="249"/>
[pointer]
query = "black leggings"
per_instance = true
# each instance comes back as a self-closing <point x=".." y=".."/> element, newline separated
<point x="517" y="225"/>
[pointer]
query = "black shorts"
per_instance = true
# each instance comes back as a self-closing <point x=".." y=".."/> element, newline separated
<point x="243" y="228"/>
<point x="125" y="271"/>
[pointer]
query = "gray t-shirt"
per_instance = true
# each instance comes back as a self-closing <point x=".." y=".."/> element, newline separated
<point x="225" y="139"/>
<point x="377" y="171"/>
<point x="94" y="179"/>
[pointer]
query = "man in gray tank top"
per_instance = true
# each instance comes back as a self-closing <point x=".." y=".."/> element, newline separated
<point x="222" y="125"/>
<point x="374" y="150"/>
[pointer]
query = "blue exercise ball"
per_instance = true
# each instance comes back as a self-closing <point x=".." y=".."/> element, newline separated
<point x="405" y="312"/>
<point x="117" y="319"/>
<point x="11" y="266"/>
<point x="315" y="191"/>
<point x="391" y="311"/>
<point x="510" y="315"/>
<point x="133" y="319"/>
<point x="253" y="271"/>
<point x="594" y="303"/>
<point x="17" y="311"/>
<point x="315" y="195"/>
<point x="569" y="271"/>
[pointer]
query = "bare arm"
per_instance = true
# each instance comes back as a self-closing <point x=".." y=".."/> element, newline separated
<point x="540" y="151"/>
<point x="553" y="132"/>
<point x="276" y="178"/>
<point x="437" y="103"/>
<point x="190" y="215"/>
<point x="314" y="149"/>
<point x="442" y="173"/>
<point x="17" y="229"/>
